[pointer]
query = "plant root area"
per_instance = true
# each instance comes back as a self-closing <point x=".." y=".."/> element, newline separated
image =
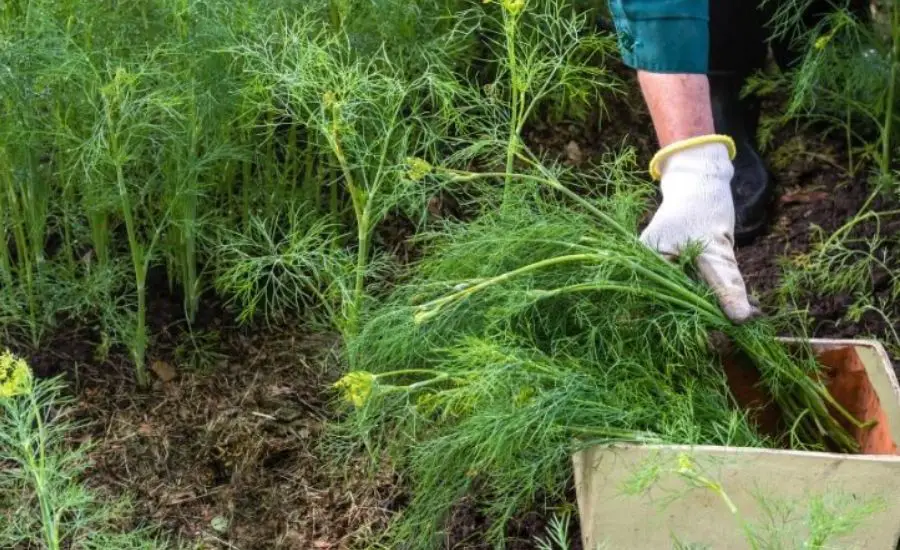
<point x="224" y="450"/>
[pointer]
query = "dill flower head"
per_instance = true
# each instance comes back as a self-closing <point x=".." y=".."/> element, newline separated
<point x="356" y="386"/>
<point x="15" y="376"/>
<point x="685" y="464"/>
<point x="417" y="169"/>
<point x="514" y="7"/>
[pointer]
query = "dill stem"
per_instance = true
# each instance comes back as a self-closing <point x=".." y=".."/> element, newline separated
<point x="571" y="258"/>
<point x="462" y="177"/>
<point x="404" y="372"/>
<point x="513" y="140"/>
<point x="887" y="151"/>
<point x="38" y="466"/>
<point x="619" y="435"/>
<point x="138" y="254"/>
<point x="362" y="211"/>
<point x="440" y="377"/>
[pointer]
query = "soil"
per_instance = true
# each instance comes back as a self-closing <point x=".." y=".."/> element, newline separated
<point x="816" y="195"/>
<point x="224" y="449"/>
<point x="225" y="453"/>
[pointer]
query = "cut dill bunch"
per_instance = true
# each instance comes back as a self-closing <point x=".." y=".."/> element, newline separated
<point x="544" y="327"/>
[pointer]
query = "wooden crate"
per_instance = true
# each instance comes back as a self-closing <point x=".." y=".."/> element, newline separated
<point x="680" y="507"/>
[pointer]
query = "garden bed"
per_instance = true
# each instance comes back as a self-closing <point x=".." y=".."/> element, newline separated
<point x="235" y="435"/>
<point x="207" y="222"/>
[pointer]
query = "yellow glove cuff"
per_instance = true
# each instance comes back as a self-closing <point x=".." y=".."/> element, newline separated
<point x="666" y="151"/>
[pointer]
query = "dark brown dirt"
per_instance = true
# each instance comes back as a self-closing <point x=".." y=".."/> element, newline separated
<point x="817" y="195"/>
<point x="227" y="453"/>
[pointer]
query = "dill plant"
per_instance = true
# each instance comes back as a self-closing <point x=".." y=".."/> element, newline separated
<point x="845" y="80"/>
<point x="368" y="117"/>
<point x="543" y="327"/>
<point x="117" y="157"/>
<point x="543" y="53"/>
<point x="43" y="499"/>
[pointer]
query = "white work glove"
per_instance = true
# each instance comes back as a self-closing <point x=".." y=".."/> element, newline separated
<point x="697" y="207"/>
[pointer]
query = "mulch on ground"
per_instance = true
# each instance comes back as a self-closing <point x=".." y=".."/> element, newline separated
<point x="230" y="458"/>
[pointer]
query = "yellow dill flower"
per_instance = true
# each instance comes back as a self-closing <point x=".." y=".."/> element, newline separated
<point x="418" y="169"/>
<point x="15" y="376"/>
<point x="356" y="386"/>
<point x="685" y="464"/>
<point x="514" y="7"/>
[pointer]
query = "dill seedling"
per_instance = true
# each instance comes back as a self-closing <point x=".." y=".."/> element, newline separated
<point x="280" y="266"/>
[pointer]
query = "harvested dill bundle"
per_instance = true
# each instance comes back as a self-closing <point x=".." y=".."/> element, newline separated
<point x="537" y="329"/>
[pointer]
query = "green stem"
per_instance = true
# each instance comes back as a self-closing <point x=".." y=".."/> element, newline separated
<point x="512" y="144"/>
<point x="37" y="464"/>
<point x="429" y="309"/>
<point x="614" y="287"/>
<point x="138" y="254"/>
<point x="417" y="385"/>
<point x="404" y="372"/>
<point x="617" y="435"/>
<point x="138" y="346"/>
<point x="312" y="187"/>
<point x="849" y="138"/>
<point x="362" y="211"/>
<point x="826" y="395"/>
<point x="362" y="256"/>
<point x="886" y="138"/>
<point x="553" y="183"/>
<point x="246" y="185"/>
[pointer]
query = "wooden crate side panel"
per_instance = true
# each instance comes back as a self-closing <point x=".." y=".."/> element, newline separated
<point x="676" y="508"/>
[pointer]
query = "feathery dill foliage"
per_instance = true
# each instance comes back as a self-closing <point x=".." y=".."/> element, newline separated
<point x="540" y="328"/>
<point x="173" y="137"/>
<point x="367" y="116"/>
<point x="845" y="79"/>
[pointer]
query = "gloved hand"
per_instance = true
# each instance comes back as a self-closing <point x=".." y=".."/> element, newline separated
<point x="697" y="207"/>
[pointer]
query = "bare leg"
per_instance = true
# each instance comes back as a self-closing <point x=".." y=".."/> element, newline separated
<point x="679" y="105"/>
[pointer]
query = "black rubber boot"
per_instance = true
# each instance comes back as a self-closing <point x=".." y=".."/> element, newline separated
<point x="752" y="187"/>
